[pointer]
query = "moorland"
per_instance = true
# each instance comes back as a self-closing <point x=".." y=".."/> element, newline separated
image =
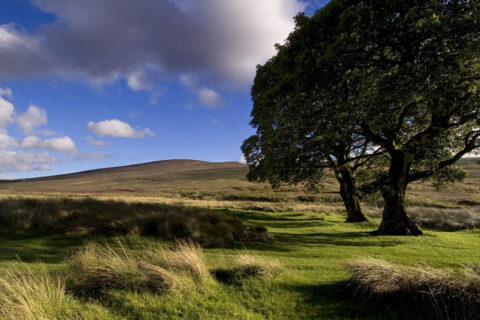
<point x="185" y="239"/>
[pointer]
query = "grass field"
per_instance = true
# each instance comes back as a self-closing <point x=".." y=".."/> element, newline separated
<point x="311" y="243"/>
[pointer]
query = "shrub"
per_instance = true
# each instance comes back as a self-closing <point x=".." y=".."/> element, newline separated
<point x="427" y="293"/>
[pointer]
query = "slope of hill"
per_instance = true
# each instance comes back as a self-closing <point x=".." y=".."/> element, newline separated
<point x="224" y="184"/>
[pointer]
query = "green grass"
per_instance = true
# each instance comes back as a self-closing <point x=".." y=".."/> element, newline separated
<point x="311" y="241"/>
<point x="313" y="248"/>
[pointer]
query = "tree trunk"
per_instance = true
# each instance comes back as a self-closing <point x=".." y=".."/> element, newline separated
<point x="350" y="197"/>
<point x="395" y="220"/>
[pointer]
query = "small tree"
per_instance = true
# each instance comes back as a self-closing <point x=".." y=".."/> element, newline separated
<point x="302" y="112"/>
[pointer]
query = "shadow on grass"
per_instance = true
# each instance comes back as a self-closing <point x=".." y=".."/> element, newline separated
<point x="332" y="301"/>
<point x="51" y="249"/>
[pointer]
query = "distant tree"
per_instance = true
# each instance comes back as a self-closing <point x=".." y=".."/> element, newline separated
<point x="420" y="61"/>
<point x="302" y="112"/>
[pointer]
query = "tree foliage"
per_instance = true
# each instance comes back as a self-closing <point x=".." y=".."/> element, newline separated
<point x="364" y="78"/>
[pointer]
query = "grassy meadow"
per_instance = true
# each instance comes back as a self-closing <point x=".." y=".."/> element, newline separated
<point x="114" y="244"/>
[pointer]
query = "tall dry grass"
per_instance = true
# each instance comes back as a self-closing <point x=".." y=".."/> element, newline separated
<point x="152" y="267"/>
<point x="426" y="293"/>
<point x="33" y="295"/>
<point x="89" y="216"/>
<point x="248" y="266"/>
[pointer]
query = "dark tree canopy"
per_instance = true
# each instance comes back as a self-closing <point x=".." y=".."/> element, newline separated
<point x="420" y="61"/>
<point x="302" y="112"/>
<point x="360" y="79"/>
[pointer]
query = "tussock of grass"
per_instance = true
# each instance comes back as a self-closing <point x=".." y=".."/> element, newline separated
<point x="248" y="266"/>
<point x="88" y="216"/>
<point x="150" y="268"/>
<point x="428" y="293"/>
<point x="36" y="295"/>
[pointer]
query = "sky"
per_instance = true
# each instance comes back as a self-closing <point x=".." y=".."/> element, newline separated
<point x="88" y="84"/>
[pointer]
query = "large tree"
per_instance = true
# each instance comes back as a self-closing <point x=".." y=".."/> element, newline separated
<point x="420" y="62"/>
<point x="302" y="112"/>
<point x="400" y="75"/>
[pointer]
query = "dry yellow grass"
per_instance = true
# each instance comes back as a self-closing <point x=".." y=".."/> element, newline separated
<point x="152" y="267"/>
<point x="36" y="295"/>
<point x="247" y="266"/>
<point x="427" y="292"/>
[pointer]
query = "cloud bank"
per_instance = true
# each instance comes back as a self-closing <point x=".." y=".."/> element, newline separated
<point x="144" y="40"/>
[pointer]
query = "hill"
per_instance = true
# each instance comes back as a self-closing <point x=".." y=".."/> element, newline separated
<point x="224" y="184"/>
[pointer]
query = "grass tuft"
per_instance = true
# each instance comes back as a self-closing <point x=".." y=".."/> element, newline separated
<point x="247" y="266"/>
<point x="36" y="295"/>
<point x="104" y="266"/>
<point x="427" y="293"/>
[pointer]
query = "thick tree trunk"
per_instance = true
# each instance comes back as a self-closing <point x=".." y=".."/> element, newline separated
<point x="395" y="220"/>
<point x="350" y="197"/>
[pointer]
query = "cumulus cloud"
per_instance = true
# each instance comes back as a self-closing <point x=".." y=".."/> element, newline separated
<point x="13" y="154"/>
<point x="6" y="108"/>
<point x="117" y="128"/>
<point x="61" y="144"/>
<point x="206" y="97"/>
<point x="33" y="118"/>
<point x="104" y="40"/>
<point x="11" y="161"/>
<point x="96" y="143"/>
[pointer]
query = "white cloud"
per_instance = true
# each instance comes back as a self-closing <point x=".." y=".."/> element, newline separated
<point x="6" y="108"/>
<point x="242" y="159"/>
<point x="33" y="118"/>
<point x="44" y="167"/>
<point x="7" y="177"/>
<point x="209" y="98"/>
<point x="5" y="140"/>
<point x="190" y="81"/>
<point x="206" y="97"/>
<point x="6" y="92"/>
<point x="96" y="143"/>
<point x="117" y="128"/>
<point x="61" y="144"/>
<point x="31" y="142"/>
<point x="138" y="81"/>
<point x="45" y="132"/>
<point x="11" y="161"/>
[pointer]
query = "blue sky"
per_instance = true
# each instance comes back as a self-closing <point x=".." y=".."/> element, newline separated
<point x="99" y="83"/>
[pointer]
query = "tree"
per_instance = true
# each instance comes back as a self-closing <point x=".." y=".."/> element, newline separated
<point x="420" y="62"/>
<point x="302" y="112"/>
<point x="360" y="78"/>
